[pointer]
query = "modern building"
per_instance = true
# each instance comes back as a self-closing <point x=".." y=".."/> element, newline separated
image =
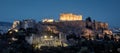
<point x="70" y="17"/>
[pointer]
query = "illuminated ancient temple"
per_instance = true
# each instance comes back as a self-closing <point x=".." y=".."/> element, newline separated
<point x="70" y="17"/>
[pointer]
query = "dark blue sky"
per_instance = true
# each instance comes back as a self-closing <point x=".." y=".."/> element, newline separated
<point x="101" y="10"/>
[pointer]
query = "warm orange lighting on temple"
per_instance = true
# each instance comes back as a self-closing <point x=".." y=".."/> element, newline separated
<point x="70" y="17"/>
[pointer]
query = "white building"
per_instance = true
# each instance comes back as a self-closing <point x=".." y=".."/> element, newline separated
<point x="16" y="24"/>
<point x="48" y="20"/>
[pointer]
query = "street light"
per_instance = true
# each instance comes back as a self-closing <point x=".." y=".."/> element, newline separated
<point x="45" y="36"/>
<point x="16" y="30"/>
<point x="51" y="36"/>
<point x="10" y="32"/>
<point x="14" y="39"/>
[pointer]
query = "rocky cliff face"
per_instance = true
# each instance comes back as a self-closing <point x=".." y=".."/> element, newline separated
<point x="77" y="27"/>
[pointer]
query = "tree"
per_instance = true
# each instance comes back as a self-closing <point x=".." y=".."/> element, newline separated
<point x="31" y="30"/>
<point x="89" y="23"/>
<point x="20" y="45"/>
<point x="72" y="36"/>
<point x="88" y="19"/>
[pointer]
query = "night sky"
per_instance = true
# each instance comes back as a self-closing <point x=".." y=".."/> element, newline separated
<point x="100" y="10"/>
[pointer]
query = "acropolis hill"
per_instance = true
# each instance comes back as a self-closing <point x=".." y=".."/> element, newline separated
<point x="68" y="23"/>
